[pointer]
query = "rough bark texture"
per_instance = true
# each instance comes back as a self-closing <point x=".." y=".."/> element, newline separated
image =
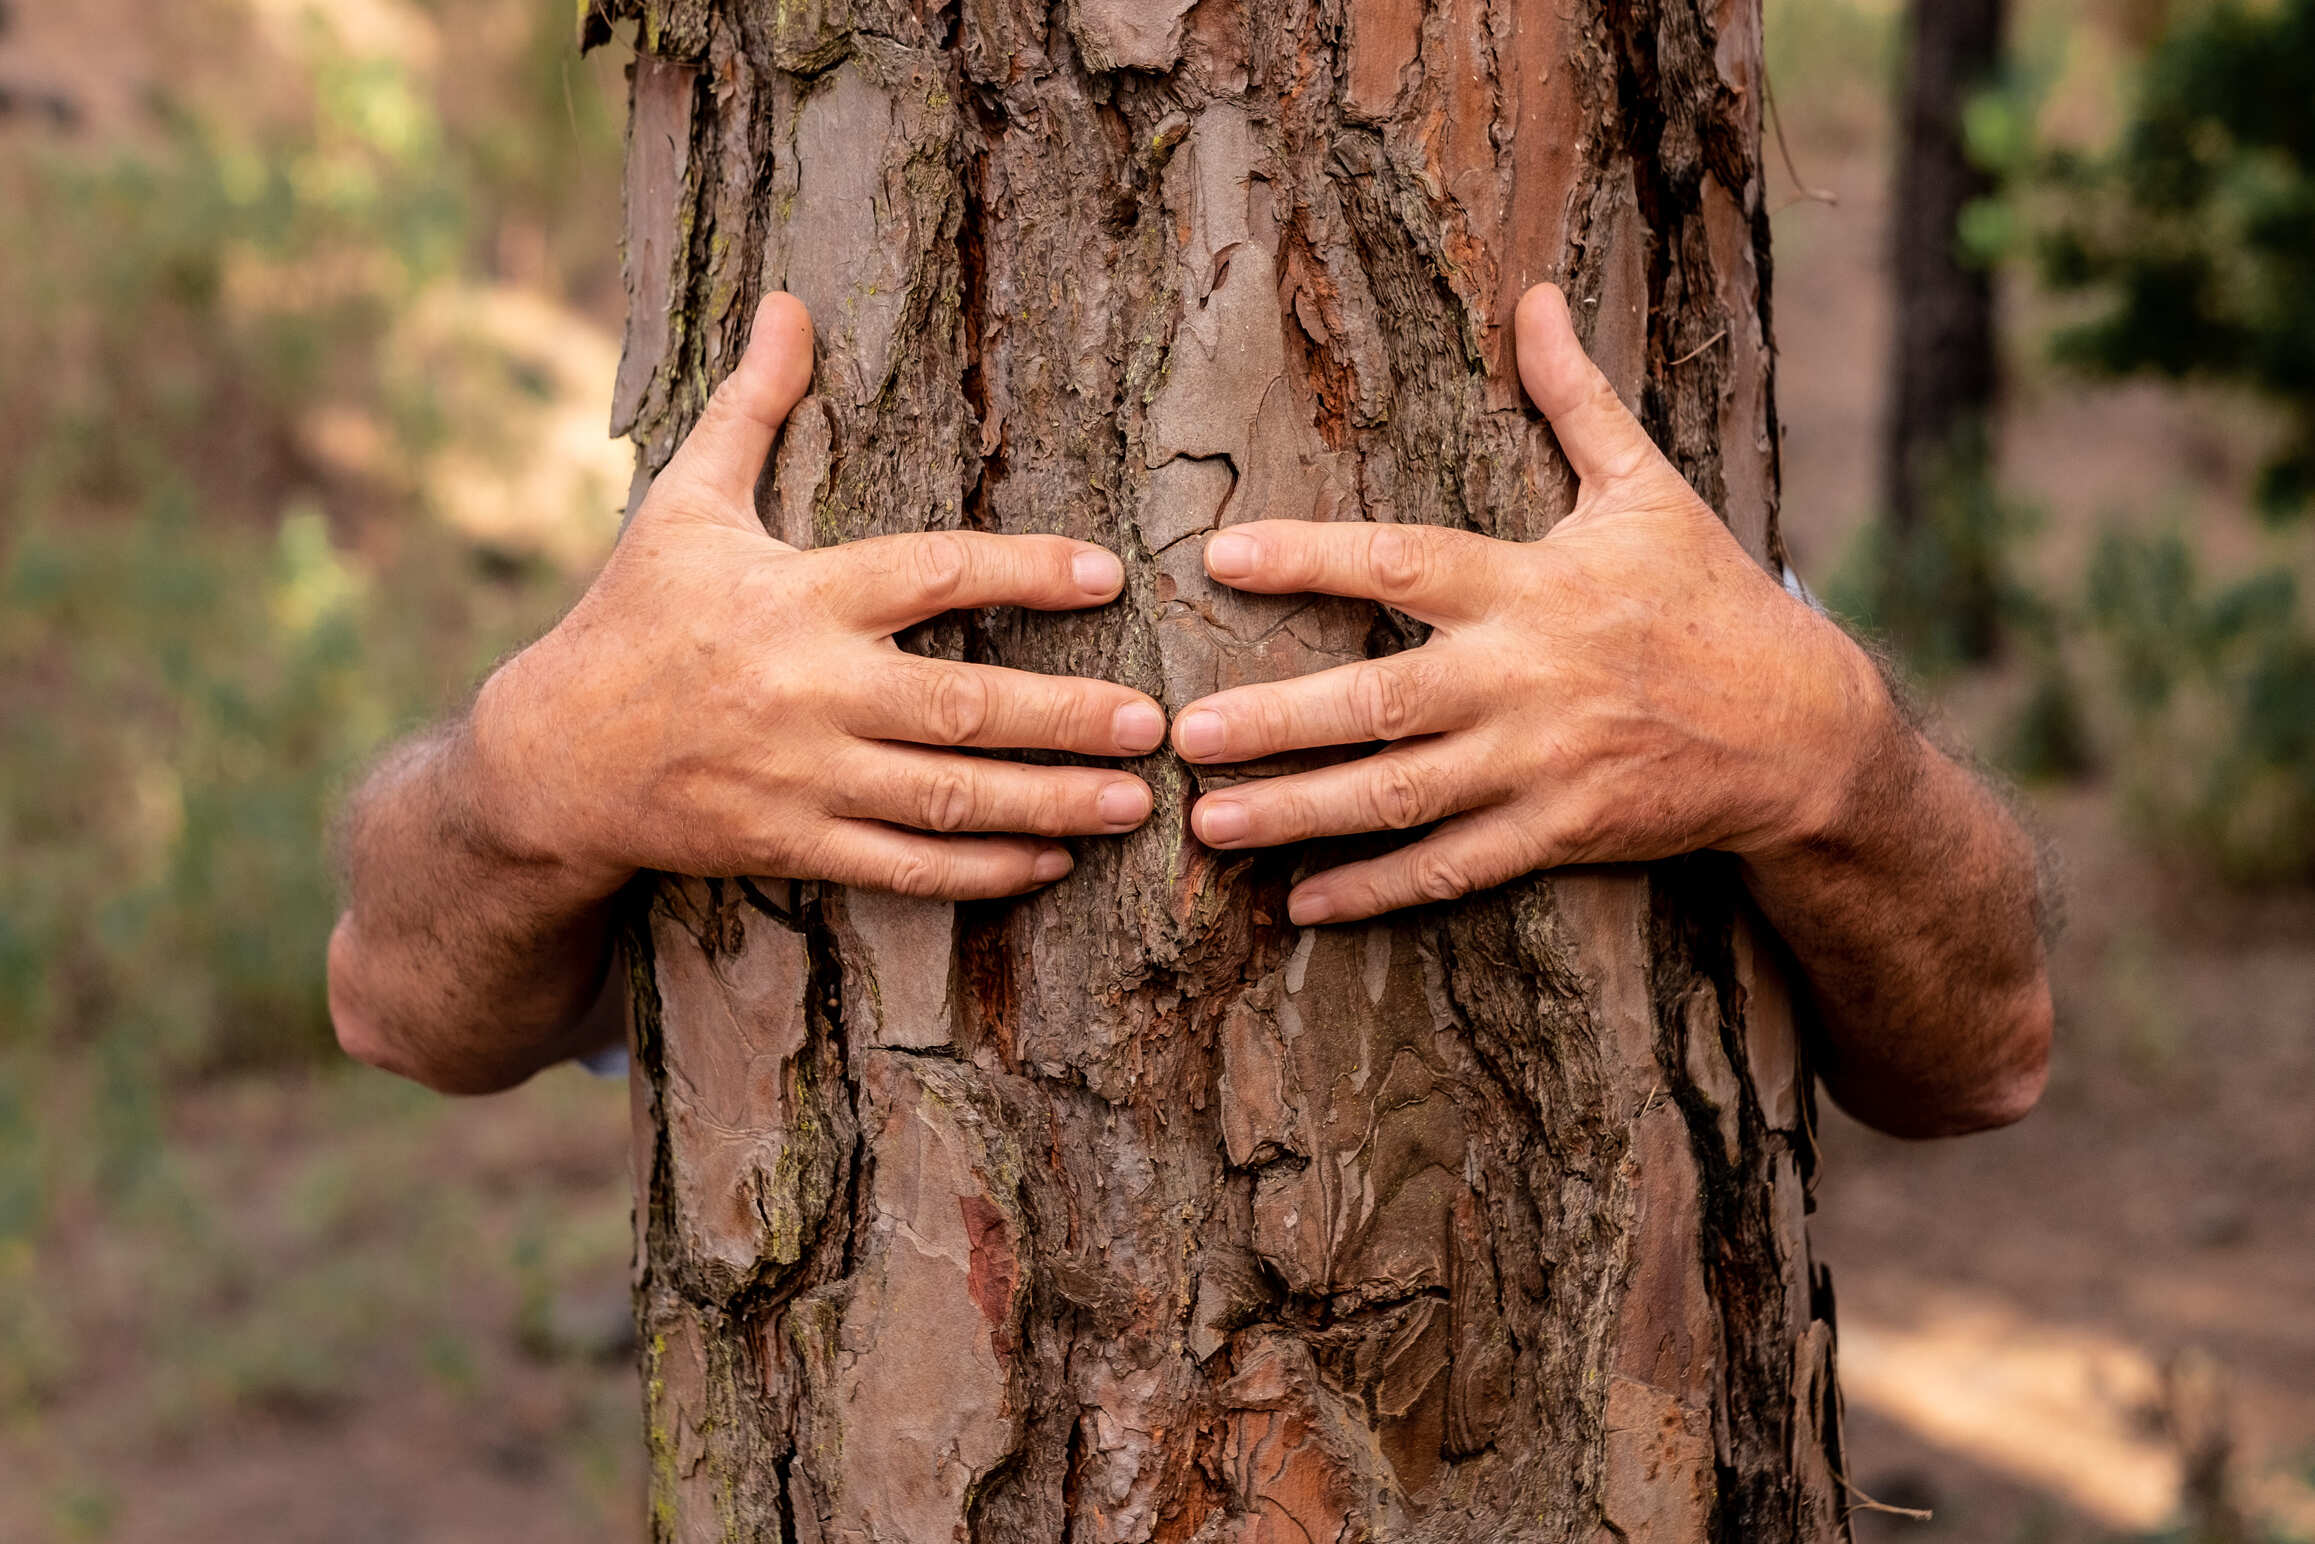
<point x="1129" y="1211"/>
<point x="1944" y="372"/>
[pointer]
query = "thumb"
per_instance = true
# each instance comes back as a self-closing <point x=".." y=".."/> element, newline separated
<point x="1597" y="433"/>
<point x="724" y="454"/>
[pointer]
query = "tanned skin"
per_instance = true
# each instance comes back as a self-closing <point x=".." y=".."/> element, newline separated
<point x="717" y="703"/>
<point x="1630" y="687"/>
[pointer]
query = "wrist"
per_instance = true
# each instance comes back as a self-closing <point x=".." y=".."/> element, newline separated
<point x="1859" y="749"/>
<point x="510" y="772"/>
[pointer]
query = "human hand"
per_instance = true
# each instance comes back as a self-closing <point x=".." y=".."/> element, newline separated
<point x="1629" y="687"/>
<point x="722" y="703"/>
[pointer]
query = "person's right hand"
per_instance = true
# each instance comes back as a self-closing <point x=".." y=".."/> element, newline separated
<point x="721" y="703"/>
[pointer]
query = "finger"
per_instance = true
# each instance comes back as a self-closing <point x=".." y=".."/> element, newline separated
<point x="1597" y="433"/>
<point x="1432" y="573"/>
<point x="718" y="463"/>
<point x="950" y="868"/>
<point x="941" y="702"/>
<point x="1471" y="852"/>
<point x="892" y="582"/>
<point x="937" y="791"/>
<point x="1406" y="786"/>
<point x="1377" y="699"/>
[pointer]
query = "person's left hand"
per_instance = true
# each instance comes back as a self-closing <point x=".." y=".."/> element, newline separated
<point x="1630" y="687"/>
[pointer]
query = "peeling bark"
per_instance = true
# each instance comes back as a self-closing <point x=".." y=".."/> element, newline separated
<point x="1130" y="1212"/>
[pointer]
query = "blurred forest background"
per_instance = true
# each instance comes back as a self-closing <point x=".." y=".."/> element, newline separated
<point x="308" y="320"/>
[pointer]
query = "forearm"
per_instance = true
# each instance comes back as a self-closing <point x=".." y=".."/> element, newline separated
<point x="1915" y="914"/>
<point x="461" y="961"/>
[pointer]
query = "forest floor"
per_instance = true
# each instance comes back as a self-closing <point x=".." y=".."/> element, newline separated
<point x="354" y="1313"/>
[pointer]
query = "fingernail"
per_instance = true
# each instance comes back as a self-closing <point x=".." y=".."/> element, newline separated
<point x="1230" y="556"/>
<point x="1051" y="865"/>
<point x="1202" y="733"/>
<point x="1138" y="727"/>
<point x="1220" y="821"/>
<point x="1097" y="571"/>
<point x="1122" y="804"/>
<point x="1308" y="910"/>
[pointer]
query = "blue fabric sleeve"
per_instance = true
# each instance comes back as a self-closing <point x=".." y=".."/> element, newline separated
<point x="609" y="1062"/>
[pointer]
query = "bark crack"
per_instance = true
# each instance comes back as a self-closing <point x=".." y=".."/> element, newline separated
<point x="1404" y="1314"/>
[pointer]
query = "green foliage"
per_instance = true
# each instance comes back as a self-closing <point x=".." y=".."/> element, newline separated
<point x="186" y="704"/>
<point x="193" y="298"/>
<point x="2191" y="242"/>
<point x="1944" y="590"/>
<point x="205" y="629"/>
<point x="210" y="619"/>
<point x="2049" y="737"/>
<point x="2218" y="689"/>
<point x="2001" y="132"/>
<point x="1947" y="587"/>
<point x="2199" y="231"/>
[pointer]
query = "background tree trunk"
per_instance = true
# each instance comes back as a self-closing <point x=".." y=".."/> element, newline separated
<point x="1129" y="1211"/>
<point x="1942" y="583"/>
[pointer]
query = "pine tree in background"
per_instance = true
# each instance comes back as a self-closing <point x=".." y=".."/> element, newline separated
<point x="1941" y="581"/>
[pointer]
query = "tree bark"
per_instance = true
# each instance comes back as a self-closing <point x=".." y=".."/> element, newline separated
<point x="1936" y="465"/>
<point x="1130" y="1211"/>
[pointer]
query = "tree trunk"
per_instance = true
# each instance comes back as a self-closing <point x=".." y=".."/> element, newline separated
<point x="1942" y="584"/>
<point x="1130" y="1211"/>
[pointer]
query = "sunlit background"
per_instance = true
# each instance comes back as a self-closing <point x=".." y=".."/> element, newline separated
<point x="308" y="321"/>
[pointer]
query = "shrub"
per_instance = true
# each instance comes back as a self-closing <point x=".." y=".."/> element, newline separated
<point x="2218" y="691"/>
<point x="2198" y="232"/>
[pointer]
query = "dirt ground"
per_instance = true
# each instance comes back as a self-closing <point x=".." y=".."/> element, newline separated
<point x="2037" y="1324"/>
<point x="349" y="1312"/>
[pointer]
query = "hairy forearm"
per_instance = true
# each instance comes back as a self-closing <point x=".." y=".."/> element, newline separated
<point x="1915" y="914"/>
<point x="460" y="961"/>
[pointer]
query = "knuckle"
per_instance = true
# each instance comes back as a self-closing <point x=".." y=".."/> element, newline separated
<point x="1054" y="716"/>
<point x="1281" y="811"/>
<point x="1396" y="796"/>
<point x="1273" y="720"/>
<point x="1057" y="806"/>
<point x="1086" y="715"/>
<point x="813" y="853"/>
<point x="937" y="563"/>
<point x="1567" y="838"/>
<point x="957" y="706"/>
<point x="761" y="696"/>
<point x="1602" y="393"/>
<point x="726" y="407"/>
<point x="1397" y="560"/>
<point x="1439" y="877"/>
<point x="1626" y="453"/>
<point x="1052" y="562"/>
<point x="917" y="874"/>
<point x="1384" y="701"/>
<point x="834" y="589"/>
<point x="950" y="802"/>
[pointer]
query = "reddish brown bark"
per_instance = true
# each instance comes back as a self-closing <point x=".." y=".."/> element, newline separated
<point x="1129" y="1211"/>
